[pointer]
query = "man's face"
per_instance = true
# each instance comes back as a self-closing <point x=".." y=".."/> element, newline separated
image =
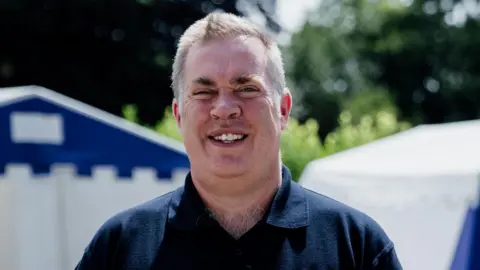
<point x="230" y="118"/>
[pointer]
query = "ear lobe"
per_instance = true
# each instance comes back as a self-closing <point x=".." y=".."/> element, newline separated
<point x="285" y="107"/>
<point x="286" y="103"/>
<point x="283" y="111"/>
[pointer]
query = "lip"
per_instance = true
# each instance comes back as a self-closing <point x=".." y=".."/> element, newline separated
<point x="219" y="132"/>
<point x="227" y="145"/>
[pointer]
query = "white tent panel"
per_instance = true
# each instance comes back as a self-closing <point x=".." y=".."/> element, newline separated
<point x="443" y="149"/>
<point x="417" y="184"/>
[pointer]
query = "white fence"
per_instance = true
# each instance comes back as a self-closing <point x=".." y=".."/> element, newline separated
<point x="47" y="221"/>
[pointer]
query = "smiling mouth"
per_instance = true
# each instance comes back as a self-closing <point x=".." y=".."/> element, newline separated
<point x="228" y="138"/>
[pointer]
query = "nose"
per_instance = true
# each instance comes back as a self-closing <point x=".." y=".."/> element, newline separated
<point x="225" y="107"/>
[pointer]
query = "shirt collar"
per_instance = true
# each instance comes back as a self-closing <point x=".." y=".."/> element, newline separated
<point x="289" y="208"/>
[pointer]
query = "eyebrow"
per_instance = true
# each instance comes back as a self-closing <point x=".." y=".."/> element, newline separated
<point x="238" y="80"/>
<point x="204" y="81"/>
<point x="243" y="79"/>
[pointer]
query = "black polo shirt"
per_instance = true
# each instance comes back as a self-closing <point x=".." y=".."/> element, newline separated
<point x="301" y="230"/>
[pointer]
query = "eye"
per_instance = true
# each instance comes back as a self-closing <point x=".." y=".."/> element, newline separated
<point x="248" y="92"/>
<point x="248" y="89"/>
<point x="203" y="93"/>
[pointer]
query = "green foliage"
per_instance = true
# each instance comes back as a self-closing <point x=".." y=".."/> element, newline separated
<point x="168" y="126"/>
<point x="300" y="143"/>
<point x="370" y="102"/>
<point x="348" y="135"/>
<point x="416" y="51"/>
<point x="130" y="113"/>
<point x="322" y="61"/>
<point x="115" y="51"/>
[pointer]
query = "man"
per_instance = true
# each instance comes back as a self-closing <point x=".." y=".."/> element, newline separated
<point x="239" y="208"/>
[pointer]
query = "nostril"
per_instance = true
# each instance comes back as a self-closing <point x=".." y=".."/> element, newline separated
<point x="225" y="113"/>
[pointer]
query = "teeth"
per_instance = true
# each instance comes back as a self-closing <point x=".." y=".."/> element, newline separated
<point x="228" y="137"/>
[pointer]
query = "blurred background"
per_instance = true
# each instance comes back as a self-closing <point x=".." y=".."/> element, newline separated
<point x="360" y="71"/>
<point x="392" y="63"/>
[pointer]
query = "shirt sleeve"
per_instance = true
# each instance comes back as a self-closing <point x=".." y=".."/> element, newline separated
<point x="88" y="261"/>
<point x="387" y="259"/>
<point x="100" y="251"/>
<point x="94" y="257"/>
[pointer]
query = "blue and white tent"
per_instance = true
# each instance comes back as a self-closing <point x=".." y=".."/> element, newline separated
<point x="41" y="127"/>
<point x="467" y="253"/>
<point x="65" y="168"/>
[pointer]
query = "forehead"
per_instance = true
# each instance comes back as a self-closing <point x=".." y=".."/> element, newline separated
<point x="222" y="60"/>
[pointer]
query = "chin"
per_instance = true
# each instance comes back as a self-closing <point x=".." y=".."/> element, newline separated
<point x="229" y="169"/>
<point x="229" y="174"/>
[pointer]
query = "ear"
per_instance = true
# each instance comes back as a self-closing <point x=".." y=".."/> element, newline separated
<point x="177" y="113"/>
<point x="285" y="107"/>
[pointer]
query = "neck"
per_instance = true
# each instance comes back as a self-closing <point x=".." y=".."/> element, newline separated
<point x="237" y="208"/>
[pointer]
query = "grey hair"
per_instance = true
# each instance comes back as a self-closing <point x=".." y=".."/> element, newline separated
<point x="222" y="25"/>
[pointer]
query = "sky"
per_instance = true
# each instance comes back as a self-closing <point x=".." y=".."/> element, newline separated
<point x="291" y="15"/>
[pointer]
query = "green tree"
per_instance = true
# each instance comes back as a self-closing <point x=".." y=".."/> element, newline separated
<point x="427" y="56"/>
<point x="421" y="54"/>
<point x="102" y="52"/>
<point x="323" y="62"/>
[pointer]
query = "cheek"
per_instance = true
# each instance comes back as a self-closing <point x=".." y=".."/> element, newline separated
<point x="265" y="114"/>
<point x="194" y="114"/>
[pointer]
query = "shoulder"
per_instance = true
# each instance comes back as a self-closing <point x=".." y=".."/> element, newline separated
<point x="153" y="210"/>
<point x="322" y="208"/>
<point x="371" y="245"/>
<point x="124" y="226"/>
